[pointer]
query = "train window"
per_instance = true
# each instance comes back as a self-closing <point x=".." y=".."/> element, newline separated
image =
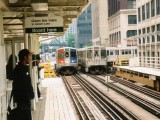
<point x="117" y="52"/>
<point x="89" y="53"/>
<point x="122" y="52"/>
<point x="136" y="73"/>
<point x="66" y="54"/>
<point x="111" y="52"/>
<point x="128" y="71"/>
<point x="146" y="76"/>
<point x="60" y="55"/>
<point x="103" y="53"/>
<point x="126" y="52"/>
<point x="140" y="74"/>
<point x="73" y="54"/>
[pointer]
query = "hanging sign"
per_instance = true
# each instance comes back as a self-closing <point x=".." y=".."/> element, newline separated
<point x="43" y="24"/>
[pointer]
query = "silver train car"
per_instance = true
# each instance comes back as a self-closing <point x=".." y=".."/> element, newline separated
<point x="92" y="59"/>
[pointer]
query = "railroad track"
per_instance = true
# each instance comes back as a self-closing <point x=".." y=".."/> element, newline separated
<point x="148" y="105"/>
<point x="108" y="107"/>
<point x="149" y="92"/>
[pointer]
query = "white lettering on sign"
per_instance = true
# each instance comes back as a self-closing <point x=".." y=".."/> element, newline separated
<point x="42" y="22"/>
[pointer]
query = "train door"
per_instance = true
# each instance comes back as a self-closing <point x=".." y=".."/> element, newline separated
<point x="67" y="56"/>
<point x="103" y="57"/>
<point x="89" y="61"/>
<point x="60" y="59"/>
<point x="96" y="56"/>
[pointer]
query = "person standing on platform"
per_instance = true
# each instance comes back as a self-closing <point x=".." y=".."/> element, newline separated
<point x="22" y="86"/>
<point x="9" y="67"/>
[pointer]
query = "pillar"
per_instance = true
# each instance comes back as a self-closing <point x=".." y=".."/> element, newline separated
<point x="2" y="72"/>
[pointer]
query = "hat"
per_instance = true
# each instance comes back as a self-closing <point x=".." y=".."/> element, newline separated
<point x="23" y="53"/>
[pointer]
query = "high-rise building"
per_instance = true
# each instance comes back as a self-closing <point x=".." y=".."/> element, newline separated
<point x="122" y="22"/>
<point x="70" y="31"/>
<point x="149" y="33"/>
<point x="84" y="29"/>
<point x="99" y="22"/>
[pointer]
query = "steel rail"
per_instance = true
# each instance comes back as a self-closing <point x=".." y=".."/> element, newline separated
<point x="119" y="110"/>
<point x="79" y="108"/>
<point x="150" y="106"/>
<point x="151" y="93"/>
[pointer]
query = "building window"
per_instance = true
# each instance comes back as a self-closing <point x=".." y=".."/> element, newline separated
<point x="131" y="4"/>
<point x="148" y="38"/>
<point x="152" y="8"/>
<point x="158" y="6"/>
<point x="153" y="29"/>
<point x="139" y="31"/>
<point x="158" y="29"/>
<point x="131" y="33"/>
<point x="139" y="14"/>
<point x="144" y="31"/>
<point x="139" y="39"/>
<point x="143" y="12"/>
<point x="132" y="19"/>
<point x="148" y="10"/>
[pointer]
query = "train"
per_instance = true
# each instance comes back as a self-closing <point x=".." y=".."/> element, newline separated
<point x="66" y="61"/>
<point x="92" y="59"/>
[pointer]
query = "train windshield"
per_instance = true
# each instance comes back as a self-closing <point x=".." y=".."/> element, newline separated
<point x="73" y="54"/>
<point x="103" y="53"/>
<point x="60" y="55"/>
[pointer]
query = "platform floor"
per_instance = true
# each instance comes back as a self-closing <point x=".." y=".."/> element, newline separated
<point x="56" y="104"/>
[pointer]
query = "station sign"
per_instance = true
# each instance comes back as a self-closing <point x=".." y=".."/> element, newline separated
<point x="43" y="24"/>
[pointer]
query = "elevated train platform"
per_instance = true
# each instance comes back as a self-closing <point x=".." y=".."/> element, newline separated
<point x="56" y="104"/>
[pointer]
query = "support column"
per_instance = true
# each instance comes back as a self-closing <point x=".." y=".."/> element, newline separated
<point x="2" y="72"/>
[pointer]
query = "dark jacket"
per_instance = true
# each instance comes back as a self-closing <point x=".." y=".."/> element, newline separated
<point x="22" y="87"/>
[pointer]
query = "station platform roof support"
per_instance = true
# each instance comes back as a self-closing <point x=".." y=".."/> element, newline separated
<point x="16" y="11"/>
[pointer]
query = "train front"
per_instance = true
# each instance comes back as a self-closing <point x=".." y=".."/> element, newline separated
<point x="67" y="61"/>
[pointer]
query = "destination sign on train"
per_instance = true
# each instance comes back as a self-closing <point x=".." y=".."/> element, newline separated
<point x="39" y="22"/>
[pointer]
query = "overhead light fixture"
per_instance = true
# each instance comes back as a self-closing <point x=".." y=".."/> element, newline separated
<point x="13" y="1"/>
<point x="39" y="6"/>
